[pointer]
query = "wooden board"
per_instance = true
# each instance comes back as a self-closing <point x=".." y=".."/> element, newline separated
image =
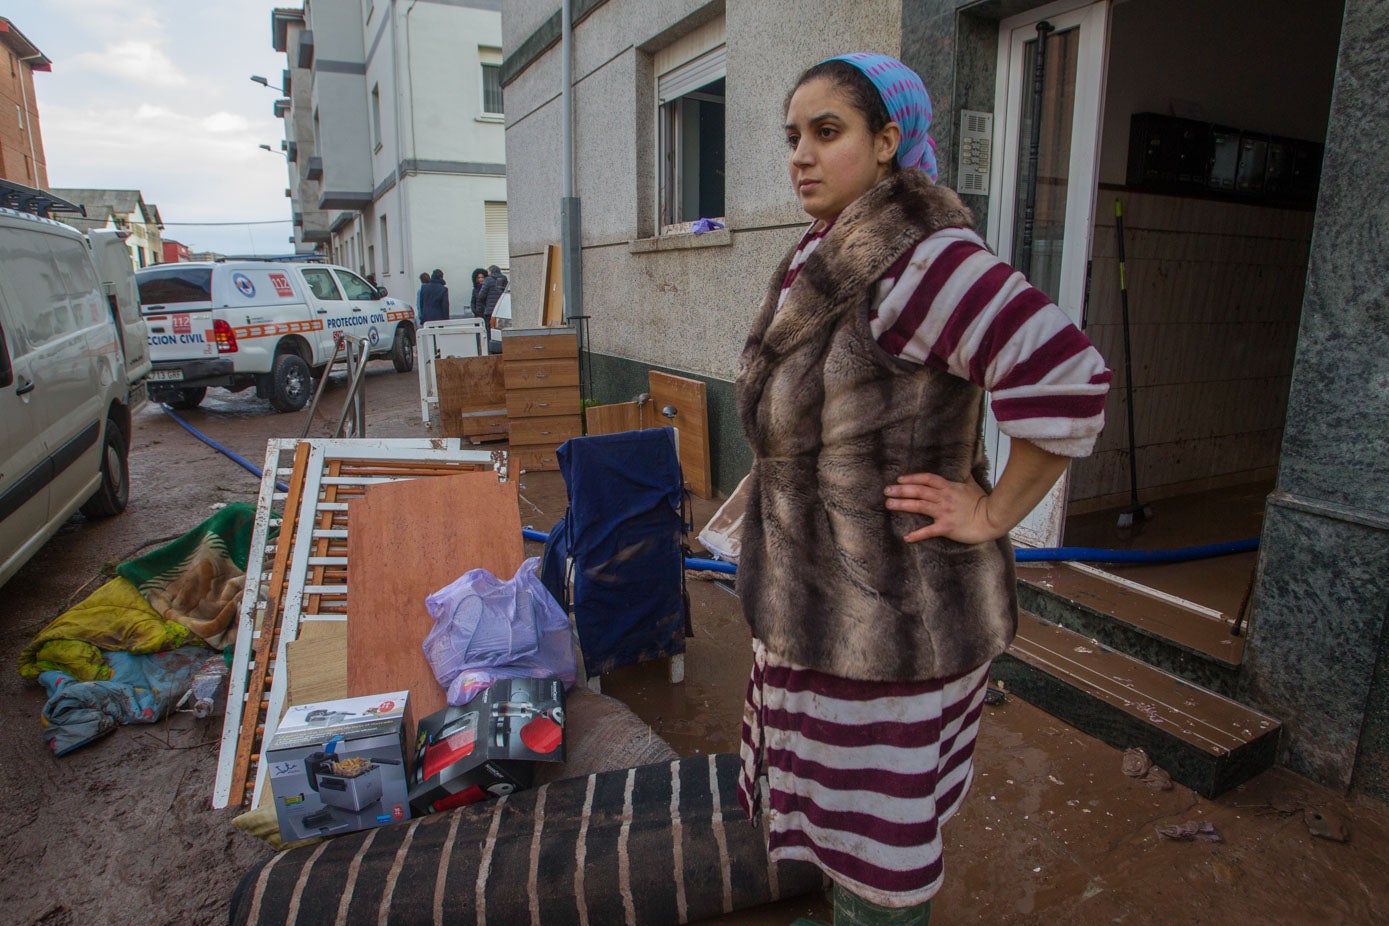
<point x="610" y="419"/>
<point x="687" y="397"/>
<point x="408" y="540"/>
<point x="316" y="663"/>
<point x="466" y="385"/>
<point x="552" y="312"/>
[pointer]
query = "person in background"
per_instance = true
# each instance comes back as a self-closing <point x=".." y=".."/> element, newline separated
<point x="434" y="299"/>
<point x="876" y="571"/>
<point x="489" y="294"/>
<point x="479" y="275"/>
<point x="419" y="293"/>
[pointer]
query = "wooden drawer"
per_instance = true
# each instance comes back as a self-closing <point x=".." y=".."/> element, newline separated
<point x="533" y="459"/>
<point x="539" y="347"/>
<point x="473" y="424"/>
<point x="551" y="429"/>
<point x="532" y="403"/>
<point x="538" y="374"/>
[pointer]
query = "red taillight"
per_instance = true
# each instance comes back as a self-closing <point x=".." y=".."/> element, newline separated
<point x="224" y="336"/>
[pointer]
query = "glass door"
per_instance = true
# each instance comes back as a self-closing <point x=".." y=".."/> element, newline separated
<point x="1049" y="98"/>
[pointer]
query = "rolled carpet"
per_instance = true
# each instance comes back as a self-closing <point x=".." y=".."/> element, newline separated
<point x="659" y="844"/>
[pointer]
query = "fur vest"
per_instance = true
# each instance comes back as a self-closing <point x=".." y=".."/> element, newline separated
<point x="825" y="577"/>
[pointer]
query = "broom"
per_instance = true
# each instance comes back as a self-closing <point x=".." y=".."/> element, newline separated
<point x="1136" y="510"/>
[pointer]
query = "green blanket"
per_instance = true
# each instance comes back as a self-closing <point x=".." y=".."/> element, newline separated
<point x="197" y="580"/>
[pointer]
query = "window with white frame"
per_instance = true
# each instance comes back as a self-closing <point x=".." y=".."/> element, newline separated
<point x="376" y="115"/>
<point x="690" y="127"/>
<point x="491" y="62"/>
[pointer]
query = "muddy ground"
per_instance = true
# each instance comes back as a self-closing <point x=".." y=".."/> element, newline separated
<point x="123" y="831"/>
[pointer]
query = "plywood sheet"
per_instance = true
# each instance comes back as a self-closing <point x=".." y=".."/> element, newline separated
<point x="408" y="540"/>
<point x="610" y="419"/>
<point x="553" y="310"/>
<point x="468" y="385"/>
<point x="691" y="419"/>
<point x="316" y="663"/>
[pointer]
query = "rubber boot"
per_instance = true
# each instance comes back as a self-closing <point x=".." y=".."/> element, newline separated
<point x="852" y="910"/>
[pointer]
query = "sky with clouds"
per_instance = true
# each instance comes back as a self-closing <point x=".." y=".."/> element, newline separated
<point x="155" y="95"/>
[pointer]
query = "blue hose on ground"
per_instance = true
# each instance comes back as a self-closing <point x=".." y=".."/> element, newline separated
<point x="1023" y="555"/>
<point x="225" y="451"/>
<point x="1174" y="555"/>
<point x="1039" y="555"/>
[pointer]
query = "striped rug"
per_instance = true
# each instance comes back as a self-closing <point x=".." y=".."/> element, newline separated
<point x="859" y="775"/>
<point x="658" y="844"/>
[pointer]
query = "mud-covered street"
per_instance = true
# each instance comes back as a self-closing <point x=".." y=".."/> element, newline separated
<point x="123" y="831"/>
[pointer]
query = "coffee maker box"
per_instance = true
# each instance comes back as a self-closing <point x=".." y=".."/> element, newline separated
<point x="338" y="766"/>
<point x="489" y="746"/>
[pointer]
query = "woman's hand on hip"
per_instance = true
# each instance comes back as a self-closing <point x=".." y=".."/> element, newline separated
<point x="959" y="510"/>
<point x="963" y="511"/>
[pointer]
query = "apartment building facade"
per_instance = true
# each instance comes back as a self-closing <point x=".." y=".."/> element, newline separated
<point x="21" y="141"/>
<point x="394" y="137"/>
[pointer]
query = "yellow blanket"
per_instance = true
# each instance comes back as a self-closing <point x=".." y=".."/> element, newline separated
<point x="114" y="617"/>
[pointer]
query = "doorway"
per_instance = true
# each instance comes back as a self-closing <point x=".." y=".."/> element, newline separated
<point x="1091" y="104"/>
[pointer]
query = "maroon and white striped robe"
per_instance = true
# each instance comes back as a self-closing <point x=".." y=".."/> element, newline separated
<point x="861" y="775"/>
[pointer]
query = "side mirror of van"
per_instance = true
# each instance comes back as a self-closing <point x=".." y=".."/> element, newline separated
<point x="381" y="292"/>
<point x="6" y="365"/>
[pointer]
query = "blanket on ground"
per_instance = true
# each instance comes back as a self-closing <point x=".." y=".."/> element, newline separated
<point x="197" y="580"/>
<point x="185" y="591"/>
<point x="114" y="618"/>
<point x="141" y="689"/>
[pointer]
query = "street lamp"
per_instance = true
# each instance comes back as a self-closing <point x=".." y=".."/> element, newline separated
<point x="257" y="79"/>
<point x="272" y="150"/>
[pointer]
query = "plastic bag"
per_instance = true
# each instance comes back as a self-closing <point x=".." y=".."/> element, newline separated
<point x="486" y="629"/>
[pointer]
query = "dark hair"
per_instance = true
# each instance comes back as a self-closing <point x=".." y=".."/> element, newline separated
<point x="424" y="278"/>
<point x="862" y="95"/>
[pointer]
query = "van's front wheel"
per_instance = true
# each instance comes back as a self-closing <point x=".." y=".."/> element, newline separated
<point x="291" y="383"/>
<point x="111" y="498"/>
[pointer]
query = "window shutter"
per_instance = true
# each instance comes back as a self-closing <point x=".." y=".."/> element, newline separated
<point x="692" y="75"/>
<point x="495" y="237"/>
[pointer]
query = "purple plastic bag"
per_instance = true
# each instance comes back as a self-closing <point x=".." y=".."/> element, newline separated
<point x="486" y="629"/>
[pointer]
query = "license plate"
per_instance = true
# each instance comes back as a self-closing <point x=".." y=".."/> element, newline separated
<point x="165" y="376"/>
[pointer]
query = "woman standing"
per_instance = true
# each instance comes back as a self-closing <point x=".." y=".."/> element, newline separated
<point x="876" y="571"/>
<point x="477" y="307"/>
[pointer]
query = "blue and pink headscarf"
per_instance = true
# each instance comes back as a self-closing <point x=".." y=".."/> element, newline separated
<point x="908" y="105"/>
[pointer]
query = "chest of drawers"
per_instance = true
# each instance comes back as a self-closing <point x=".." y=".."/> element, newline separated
<point x="540" y="367"/>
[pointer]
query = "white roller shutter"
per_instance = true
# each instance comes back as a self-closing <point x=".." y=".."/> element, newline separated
<point x="495" y="237"/>
<point x="692" y="75"/>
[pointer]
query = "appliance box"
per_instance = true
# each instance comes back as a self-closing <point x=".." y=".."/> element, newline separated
<point x="339" y="766"/>
<point x="488" y="747"/>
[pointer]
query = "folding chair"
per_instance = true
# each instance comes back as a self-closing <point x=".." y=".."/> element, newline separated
<point x="616" y="560"/>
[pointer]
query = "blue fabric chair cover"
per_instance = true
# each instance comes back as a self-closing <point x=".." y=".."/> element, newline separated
<point x="624" y="530"/>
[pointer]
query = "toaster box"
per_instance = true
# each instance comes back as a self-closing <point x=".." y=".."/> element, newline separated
<point x="488" y="747"/>
<point x="338" y="766"/>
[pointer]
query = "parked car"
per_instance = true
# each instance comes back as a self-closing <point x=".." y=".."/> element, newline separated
<point x="68" y="384"/>
<point x="267" y="324"/>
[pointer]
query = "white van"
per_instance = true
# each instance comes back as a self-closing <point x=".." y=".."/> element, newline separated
<point x="263" y="323"/>
<point x="66" y="393"/>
